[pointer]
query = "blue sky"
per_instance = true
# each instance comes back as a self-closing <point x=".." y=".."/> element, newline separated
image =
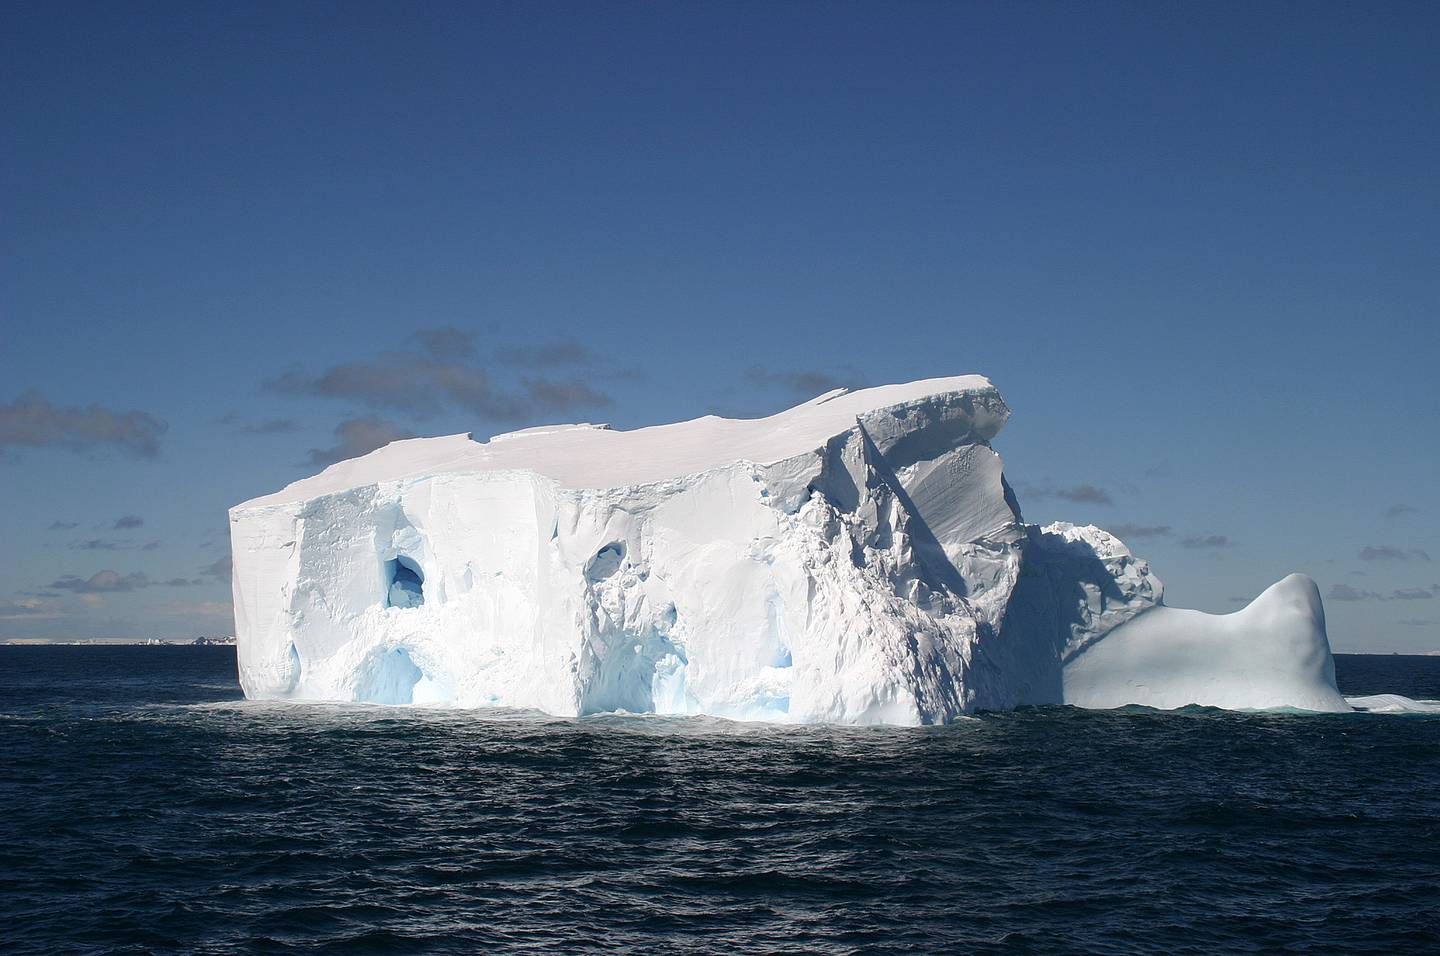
<point x="1194" y="244"/>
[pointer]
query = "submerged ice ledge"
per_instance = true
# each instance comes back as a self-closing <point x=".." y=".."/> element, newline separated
<point x="859" y="558"/>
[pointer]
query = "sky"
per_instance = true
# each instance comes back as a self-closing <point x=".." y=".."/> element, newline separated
<point x="1197" y="247"/>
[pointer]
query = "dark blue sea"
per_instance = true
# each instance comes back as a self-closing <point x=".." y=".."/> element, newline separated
<point x="146" y="808"/>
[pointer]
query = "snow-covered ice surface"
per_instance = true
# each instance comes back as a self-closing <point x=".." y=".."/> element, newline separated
<point x="859" y="558"/>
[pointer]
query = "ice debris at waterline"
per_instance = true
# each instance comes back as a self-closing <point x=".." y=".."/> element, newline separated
<point x="856" y="559"/>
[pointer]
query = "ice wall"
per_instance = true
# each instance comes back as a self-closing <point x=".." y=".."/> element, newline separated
<point x="856" y="559"/>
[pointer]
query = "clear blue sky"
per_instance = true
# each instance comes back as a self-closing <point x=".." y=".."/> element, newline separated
<point x="1196" y="245"/>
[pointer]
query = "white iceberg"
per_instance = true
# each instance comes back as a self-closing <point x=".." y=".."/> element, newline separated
<point x="1271" y="654"/>
<point x="857" y="559"/>
<point x="1393" y="704"/>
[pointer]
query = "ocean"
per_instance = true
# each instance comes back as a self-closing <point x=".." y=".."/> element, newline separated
<point x="146" y="808"/>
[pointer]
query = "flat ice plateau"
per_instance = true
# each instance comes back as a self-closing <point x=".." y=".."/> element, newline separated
<point x="856" y="559"/>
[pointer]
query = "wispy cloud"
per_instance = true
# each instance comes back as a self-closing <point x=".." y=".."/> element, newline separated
<point x="102" y="582"/>
<point x="127" y="522"/>
<point x="403" y="382"/>
<point x="217" y="537"/>
<point x="1397" y="511"/>
<point x="1207" y="542"/>
<point x="271" y="426"/>
<point x="566" y="356"/>
<point x="113" y="582"/>
<point x="219" y="569"/>
<point x="29" y="609"/>
<point x="1386" y="552"/>
<point x="1085" y="494"/>
<point x="64" y="525"/>
<point x="550" y="355"/>
<point x="556" y="396"/>
<point x="808" y="382"/>
<point x="1344" y="592"/>
<point x="446" y="343"/>
<point x="1076" y="494"/>
<point x="356" y="437"/>
<point x="97" y="544"/>
<point x="32" y="421"/>
<point x="422" y="385"/>
<point x="110" y="544"/>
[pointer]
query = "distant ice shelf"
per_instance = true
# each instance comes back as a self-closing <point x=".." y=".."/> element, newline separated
<point x="856" y="559"/>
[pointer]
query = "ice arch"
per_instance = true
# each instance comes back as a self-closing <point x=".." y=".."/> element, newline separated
<point x="407" y="582"/>
<point x="388" y="677"/>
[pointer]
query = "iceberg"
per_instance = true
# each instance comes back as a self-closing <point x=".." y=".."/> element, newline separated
<point x="857" y="559"/>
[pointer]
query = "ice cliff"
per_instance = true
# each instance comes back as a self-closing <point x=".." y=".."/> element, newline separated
<point x="856" y="559"/>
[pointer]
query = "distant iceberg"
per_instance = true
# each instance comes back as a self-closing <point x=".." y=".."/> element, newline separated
<point x="857" y="559"/>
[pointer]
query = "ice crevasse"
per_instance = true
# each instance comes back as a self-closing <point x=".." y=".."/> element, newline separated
<point x="856" y="559"/>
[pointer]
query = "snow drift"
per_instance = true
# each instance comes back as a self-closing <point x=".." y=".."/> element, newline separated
<point x="857" y="559"/>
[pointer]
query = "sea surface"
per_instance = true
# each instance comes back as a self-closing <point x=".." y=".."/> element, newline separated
<point x="146" y="808"/>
